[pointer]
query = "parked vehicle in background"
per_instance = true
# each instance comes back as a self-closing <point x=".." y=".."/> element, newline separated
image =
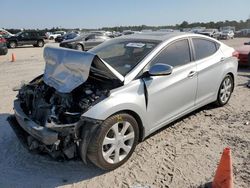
<point x="244" y="55"/>
<point x="211" y="33"/>
<point x="85" y="41"/>
<point x="3" y="46"/>
<point x="227" y="35"/>
<point x="42" y="34"/>
<point x="67" y="36"/>
<point x="116" y="34"/>
<point x="26" y="38"/>
<point x="52" y="36"/>
<point x="247" y="43"/>
<point x="5" y="34"/>
<point x="243" y="33"/>
<point x="99" y="104"/>
<point x="128" y="32"/>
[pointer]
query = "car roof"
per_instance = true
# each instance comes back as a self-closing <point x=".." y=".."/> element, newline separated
<point x="157" y="36"/>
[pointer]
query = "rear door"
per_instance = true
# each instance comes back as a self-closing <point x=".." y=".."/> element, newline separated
<point x="172" y="95"/>
<point x="209" y="60"/>
<point x="33" y="38"/>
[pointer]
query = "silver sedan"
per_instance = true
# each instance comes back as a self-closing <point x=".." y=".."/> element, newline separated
<point x="106" y="100"/>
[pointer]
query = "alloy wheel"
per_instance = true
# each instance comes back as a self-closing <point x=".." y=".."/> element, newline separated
<point x="225" y="90"/>
<point x="118" y="142"/>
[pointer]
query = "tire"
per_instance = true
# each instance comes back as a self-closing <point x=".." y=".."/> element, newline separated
<point x="12" y="44"/>
<point x="51" y="38"/>
<point x="79" y="47"/>
<point x="40" y="43"/>
<point x="116" y="151"/>
<point x="225" y="91"/>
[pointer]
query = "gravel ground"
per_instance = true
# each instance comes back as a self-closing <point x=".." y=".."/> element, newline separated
<point x="183" y="154"/>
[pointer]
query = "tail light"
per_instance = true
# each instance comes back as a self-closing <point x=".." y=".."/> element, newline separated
<point x="2" y="40"/>
<point x="235" y="54"/>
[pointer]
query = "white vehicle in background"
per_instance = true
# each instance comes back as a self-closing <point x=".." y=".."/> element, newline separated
<point x="227" y="34"/>
<point x="52" y="36"/>
<point x="5" y="34"/>
<point x="211" y="33"/>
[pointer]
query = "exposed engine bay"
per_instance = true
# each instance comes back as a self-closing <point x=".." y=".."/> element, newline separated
<point x="43" y="103"/>
<point x="45" y="106"/>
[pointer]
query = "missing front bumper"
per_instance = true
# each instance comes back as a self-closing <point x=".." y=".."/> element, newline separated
<point x="56" y="140"/>
<point x="42" y="134"/>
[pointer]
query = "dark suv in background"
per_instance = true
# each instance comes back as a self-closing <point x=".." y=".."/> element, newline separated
<point x="26" y="38"/>
<point x="85" y="41"/>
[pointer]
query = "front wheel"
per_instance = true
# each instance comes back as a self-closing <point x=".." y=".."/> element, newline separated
<point x="225" y="91"/>
<point x="12" y="44"/>
<point x="114" y="142"/>
<point x="79" y="47"/>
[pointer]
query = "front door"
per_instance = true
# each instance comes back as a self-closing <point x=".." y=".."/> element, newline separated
<point x="171" y="95"/>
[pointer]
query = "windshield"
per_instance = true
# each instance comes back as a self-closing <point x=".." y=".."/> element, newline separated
<point x="19" y="33"/>
<point x="124" y="54"/>
<point x="81" y="36"/>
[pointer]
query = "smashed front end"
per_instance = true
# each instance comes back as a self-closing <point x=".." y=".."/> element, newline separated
<point x="48" y="111"/>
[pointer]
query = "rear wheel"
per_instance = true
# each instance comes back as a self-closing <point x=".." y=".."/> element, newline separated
<point x="225" y="91"/>
<point x="115" y="142"/>
<point x="40" y="43"/>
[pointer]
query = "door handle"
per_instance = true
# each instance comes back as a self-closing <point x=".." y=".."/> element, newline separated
<point x="191" y="74"/>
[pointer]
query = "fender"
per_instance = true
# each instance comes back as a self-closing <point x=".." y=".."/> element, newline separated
<point x="122" y="99"/>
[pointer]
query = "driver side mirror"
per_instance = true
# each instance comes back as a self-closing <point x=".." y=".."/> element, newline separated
<point x="160" y="69"/>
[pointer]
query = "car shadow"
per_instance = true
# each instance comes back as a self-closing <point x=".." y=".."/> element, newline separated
<point x="20" y="167"/>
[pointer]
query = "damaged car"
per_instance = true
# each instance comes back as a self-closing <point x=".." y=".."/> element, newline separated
<point x="99" y="104"/>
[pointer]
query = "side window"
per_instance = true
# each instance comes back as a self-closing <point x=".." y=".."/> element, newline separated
<point x="204" y="48"/>
<point x="32" y="35"/>
<point x="91" y="37"/>
<point x="176" y="54"/>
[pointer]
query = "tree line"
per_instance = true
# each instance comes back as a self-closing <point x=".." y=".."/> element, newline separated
<point x="216" y="25"/>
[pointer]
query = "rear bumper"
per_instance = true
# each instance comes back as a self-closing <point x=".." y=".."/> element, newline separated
<point x="224" y="37"/>
<point x="42" y="134"/>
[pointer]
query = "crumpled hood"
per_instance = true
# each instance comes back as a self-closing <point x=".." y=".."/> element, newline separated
<point x="67" y="69"/>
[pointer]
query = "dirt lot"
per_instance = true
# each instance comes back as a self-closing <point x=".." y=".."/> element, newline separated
<point x="184" y="154"/>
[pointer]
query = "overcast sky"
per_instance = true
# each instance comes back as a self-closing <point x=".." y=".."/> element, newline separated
<point x="100" y="13"/>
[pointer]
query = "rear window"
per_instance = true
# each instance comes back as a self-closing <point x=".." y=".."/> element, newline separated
<point x="204" y="48"/>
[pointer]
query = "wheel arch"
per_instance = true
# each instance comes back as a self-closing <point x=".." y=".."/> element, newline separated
<point x="81" y="45"/>
<point x="138" y="120"/>
<point x="13" y="41"/>
<point x="232" y="75"/>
